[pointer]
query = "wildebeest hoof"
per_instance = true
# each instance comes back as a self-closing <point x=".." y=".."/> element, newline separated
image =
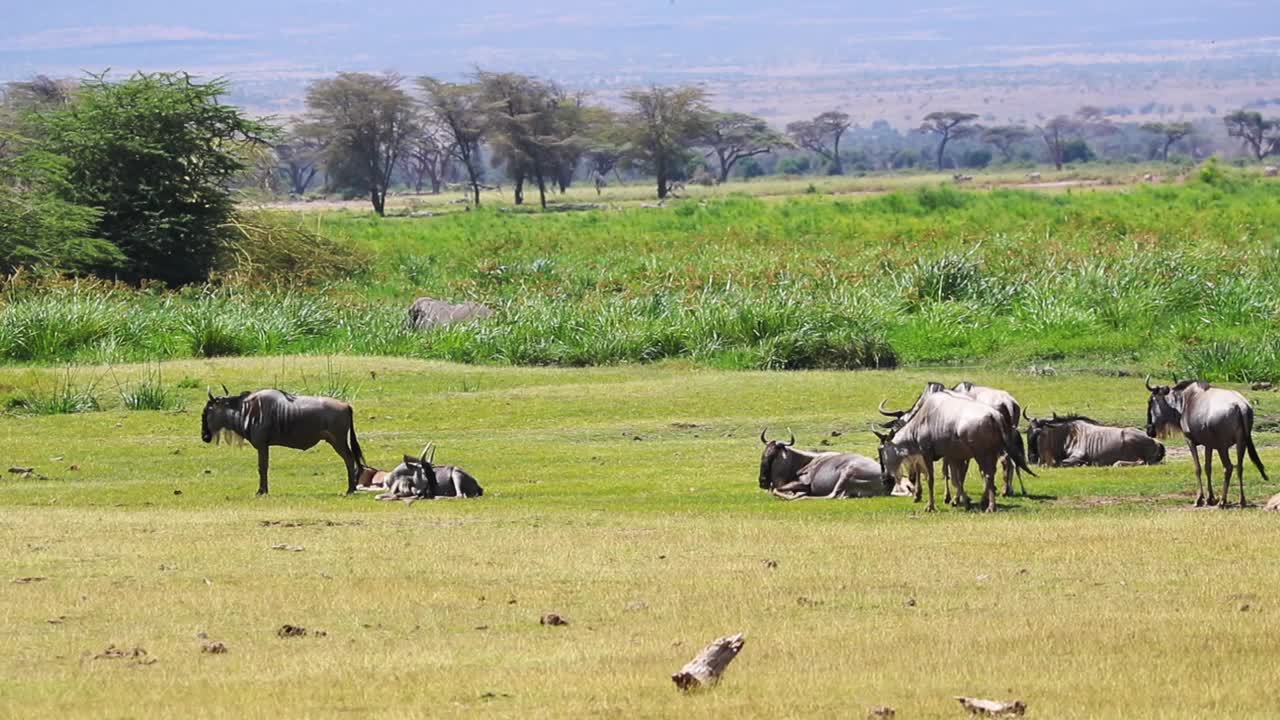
<point x="1199" y="501"/>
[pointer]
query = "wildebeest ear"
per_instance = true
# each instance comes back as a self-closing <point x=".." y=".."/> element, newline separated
<point x="883" y="438"/>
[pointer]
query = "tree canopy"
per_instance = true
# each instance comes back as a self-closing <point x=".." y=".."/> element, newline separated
<point x="821" y="135"/>
<point x="155" y="155"/>
<point x="948" y="125"/>
<point x="732" y="137"/>
<point x="661" y="125"/>
<point x="365" y="121"/>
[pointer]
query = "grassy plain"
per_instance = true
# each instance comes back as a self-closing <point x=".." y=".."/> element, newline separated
<point x="1183" y="278"/>
<point x="623" y="498"/>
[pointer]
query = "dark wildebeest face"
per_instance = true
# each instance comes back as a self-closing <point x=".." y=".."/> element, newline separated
<point x="1164" y="410"/>
<point x="220" y="414"/>
<point x="774" y="450"/>
<point x="1035" y="427"/>
<point x="891" y="458"/>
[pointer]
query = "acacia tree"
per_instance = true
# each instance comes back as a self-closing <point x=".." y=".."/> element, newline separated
<point x="736" y="136"/>
<point x="1057" y="133"/>
<point x="948" y="125"/>
<point x="661" y="124"/>
<point x="1170" y="133"/>
<point x="457" y="111"/>
<point x="533" y="129"/>
<point x="364" y="121"/>
<point x="605" y="141"/>
<point x="822" y="135"/>
<point x="156" y="154"/>
<point x="1261" y="136"/>
<point x="298" y="158"/>
<point x="1004" y="138"/>
<point x="426" y="158"/>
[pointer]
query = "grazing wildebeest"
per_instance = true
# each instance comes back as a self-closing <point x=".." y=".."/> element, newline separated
<point x="274" y="417"/>
<point x="797" y="474"/>
<point x="915" y="466"/>
<point x="417" y="477"/>
<point x="1214" y="418"/>
<point x="1010" y="410"/>
<point x="1074" y="440"/>
<point x="955" y="429"/>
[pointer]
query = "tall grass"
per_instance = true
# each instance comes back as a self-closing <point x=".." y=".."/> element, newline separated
<point x="1181" y="278"/>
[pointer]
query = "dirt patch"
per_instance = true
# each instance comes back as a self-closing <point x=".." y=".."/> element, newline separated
<point x="1097" y="501"/>
<point x="308" y="523"/>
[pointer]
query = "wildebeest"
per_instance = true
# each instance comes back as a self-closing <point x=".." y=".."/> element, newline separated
<point x="427" y="313"/>
<point x="1214" y="418"/>
<point x="1009" y="410"/>
<point x="960" y="178"/>
<point x="1033" y="176"/>
<point x="955" y="429"/>
<point x="1073" y="440"/>
<point x="274" y="417"/>
<point x="419" y="478"/>
<point x="798" y="474"/>
<point x="1271" y="171"/>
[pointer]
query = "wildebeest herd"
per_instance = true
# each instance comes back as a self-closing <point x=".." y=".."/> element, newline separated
<point x="955" y="426"/>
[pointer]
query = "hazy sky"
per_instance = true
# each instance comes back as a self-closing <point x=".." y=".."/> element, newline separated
<point x="279" y="38"/>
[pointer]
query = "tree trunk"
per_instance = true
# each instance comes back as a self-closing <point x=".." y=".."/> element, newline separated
<point x="837" y="165"/>
<point x="705" y="669"/>
<point x="542" y="191"/>
<point x="519" y="189"/>
<point x="379" y="200"/>
<point x="942" y="151"/>
<point x="662" y="180"/>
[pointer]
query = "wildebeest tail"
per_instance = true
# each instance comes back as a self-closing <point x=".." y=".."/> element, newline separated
<point x="1246" y="420"/>
<point x="351" y="438"/>
<point x="1015" y="449"/>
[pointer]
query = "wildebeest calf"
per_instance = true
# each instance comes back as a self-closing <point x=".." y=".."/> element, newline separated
<point x="417" y="478"/>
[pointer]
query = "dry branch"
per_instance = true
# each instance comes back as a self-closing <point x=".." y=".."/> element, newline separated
<point x="704" y="670"/>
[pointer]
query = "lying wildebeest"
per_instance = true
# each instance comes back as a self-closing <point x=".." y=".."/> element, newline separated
<point x="1207" y="416"/>
<point x="1074" y="440"/>
<point x="274" y="417"/>
<point x="418" y="478"/>
<point x="955" y="429"/>
<point x="797" y="474"/>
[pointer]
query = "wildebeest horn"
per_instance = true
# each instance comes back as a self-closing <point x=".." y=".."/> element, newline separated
<point x="209" y="390"/>
<point x="890" y="413"/>
<point x="883" y="438"/>
<point x="793" y="438"/>
<point x="889" y="425"/>
<point x="1147" y="382"/>
<point x="225" y="390"/>
<point x="764" y="430"/>
<point x="1025" y="416"/>
<point x="431" y="460"/>
<point x="423" y="457"/>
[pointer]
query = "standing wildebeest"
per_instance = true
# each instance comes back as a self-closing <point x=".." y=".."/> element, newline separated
<point x="1074" y="440"/>
<point x="955" y="429"/>
<point x="1206" y="416"/>
<point x="275" y="417"/>
<point x="1010" y="410"/>
<point x="796" y="474"/>
<point x="417" y="477"/>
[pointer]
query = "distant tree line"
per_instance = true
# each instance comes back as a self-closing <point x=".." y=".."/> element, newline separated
<point x="135" y="179"/>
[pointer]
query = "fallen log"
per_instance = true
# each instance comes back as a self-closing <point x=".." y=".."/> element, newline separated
<point x="705" y="669"/>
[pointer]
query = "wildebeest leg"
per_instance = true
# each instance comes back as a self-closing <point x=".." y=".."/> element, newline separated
<point x="928" y="471"/>
<point x="988" y="470"/>
<point x="1195" y="460"/>
<point x="958" y="469"/>
<point x="1008" y="476"/>
<point x="1240" y="445"/>
<point x="349" y="460"/>
<point x="796" y="486"/>
<point x="947" y="481"/>
<point x="1208" y="474"/>
<point x="1225" y="499"/>
<point x="787" y="495"/>
<point x="263" y="461"/>
<point x="914" y="478"/>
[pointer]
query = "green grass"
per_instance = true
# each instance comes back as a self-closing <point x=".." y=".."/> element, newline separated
<point x="1177" y="278"/>
<point x="1100" y="596"/>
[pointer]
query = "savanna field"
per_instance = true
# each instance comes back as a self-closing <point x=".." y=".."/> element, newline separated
<point x="612" y="408"/>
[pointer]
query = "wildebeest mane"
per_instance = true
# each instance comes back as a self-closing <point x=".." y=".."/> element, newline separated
<point x="1062" y="419"/>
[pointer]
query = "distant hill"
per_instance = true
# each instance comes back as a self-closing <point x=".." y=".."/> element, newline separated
<point x="882" y="59"/>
